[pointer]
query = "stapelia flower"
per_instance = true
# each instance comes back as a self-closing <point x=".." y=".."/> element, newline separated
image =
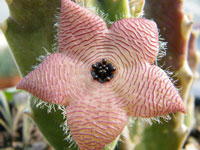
<point x="103" y="75"/>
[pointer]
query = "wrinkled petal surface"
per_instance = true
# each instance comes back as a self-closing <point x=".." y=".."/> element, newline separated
<point x="136" y="37"/>
<point x="95" y="124"/>
<point x="97" y="113"/>
<point x="146" y="91"/>
<point x="83" y="34"/>
<point x="79" y="28"/>
<point x="56" y="79"/>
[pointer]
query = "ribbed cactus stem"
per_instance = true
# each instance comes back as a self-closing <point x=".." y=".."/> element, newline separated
<point x="186" y="27"/>
<point x="185" y="75"/>
<point x="194" y="55"/>
<point x="189" y="119"/>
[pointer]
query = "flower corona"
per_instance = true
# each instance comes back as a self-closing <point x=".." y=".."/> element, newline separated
<point x="102" y="71"/>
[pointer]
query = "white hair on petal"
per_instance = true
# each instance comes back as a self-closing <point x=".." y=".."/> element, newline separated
<point x="66" y="130"/>
<point x="162" y="47"/>
<point x="40" y="59"/>
<point x="100" y="13"/>
<point x="162" y="50"/>
<point x="41" y="104"/>
<point x="68" y="135"/>
<point x="63" y="109"/>
<point x="52" y="107"/>
<point x="169" y="69"/>
<point x="56" y="28"/>
<point x="157" y="119"/>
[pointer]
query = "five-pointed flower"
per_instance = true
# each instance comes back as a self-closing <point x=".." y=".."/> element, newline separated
<point x="98" y="104"/>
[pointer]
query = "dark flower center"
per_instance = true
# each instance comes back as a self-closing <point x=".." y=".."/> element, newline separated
<point x="102" y="71"/>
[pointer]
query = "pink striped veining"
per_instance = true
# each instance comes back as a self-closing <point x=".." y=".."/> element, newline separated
<point x="95" y="126"/>
<point x="97" y="113"/>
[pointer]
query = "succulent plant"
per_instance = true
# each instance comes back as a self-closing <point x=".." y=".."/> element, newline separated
<point x="128" y="43"/>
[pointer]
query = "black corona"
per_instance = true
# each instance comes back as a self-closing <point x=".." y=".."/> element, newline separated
<point x="102" y="71"/>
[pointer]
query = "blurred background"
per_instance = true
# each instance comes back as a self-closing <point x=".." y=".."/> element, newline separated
<point x="17" y="131"/>
<point x="8" y="71"/>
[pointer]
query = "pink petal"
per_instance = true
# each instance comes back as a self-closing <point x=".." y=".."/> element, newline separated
<point x="146" y="91"/>
<point x="95" y="119"/>
<point x="94" y="125"/>
<point x="56" y="80"/>
<point x="139" y="36"/>
<point x="79" y="28"/>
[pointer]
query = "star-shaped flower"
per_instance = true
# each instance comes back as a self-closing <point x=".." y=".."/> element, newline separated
<point x="103" y="75"/>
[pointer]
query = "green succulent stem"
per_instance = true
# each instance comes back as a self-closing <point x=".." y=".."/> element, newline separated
<point x="115" y="9"/>
<point x="109" y="10"/>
